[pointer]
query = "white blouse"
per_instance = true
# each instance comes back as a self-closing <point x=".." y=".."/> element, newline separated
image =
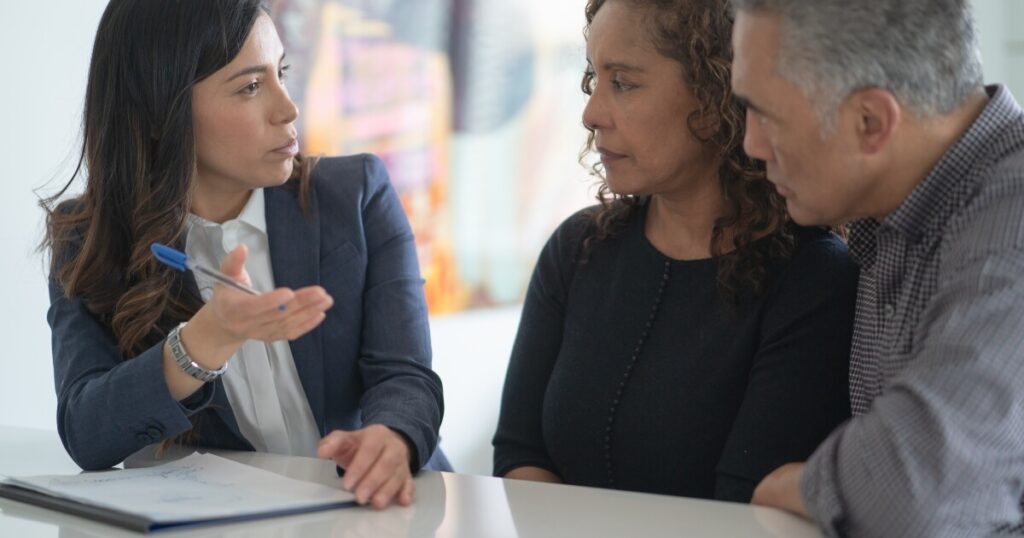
<point x="262" y="383"/>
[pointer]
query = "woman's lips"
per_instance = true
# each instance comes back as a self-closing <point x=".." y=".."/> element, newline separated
<point x="290" y="149"/>
<point x="608" y="156"/>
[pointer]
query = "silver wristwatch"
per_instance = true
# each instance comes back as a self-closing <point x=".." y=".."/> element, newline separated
<point x="186" y="362"/>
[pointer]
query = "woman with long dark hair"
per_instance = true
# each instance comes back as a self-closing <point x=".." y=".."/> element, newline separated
<point x="682" y="337"/>
<point x="190" y="141"/>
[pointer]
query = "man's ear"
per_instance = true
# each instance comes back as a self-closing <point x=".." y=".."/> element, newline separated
<point x="878" y="115"/>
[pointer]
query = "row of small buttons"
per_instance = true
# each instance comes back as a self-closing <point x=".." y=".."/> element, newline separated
<point x="629" y="370"/>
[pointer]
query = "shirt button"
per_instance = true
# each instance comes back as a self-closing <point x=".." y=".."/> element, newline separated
<point x="890" y="311"/>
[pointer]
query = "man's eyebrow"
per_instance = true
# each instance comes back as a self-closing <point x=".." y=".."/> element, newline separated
<point x="745" y="103"/>
<point x="253" y="69"/>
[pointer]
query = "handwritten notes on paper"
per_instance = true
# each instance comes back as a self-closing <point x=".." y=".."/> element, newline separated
<point x="198" y="488"/>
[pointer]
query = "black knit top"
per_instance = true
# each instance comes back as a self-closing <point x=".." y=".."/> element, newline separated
<point x="630" y="371"/>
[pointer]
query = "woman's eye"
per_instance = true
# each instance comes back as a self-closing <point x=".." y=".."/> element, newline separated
<point x="252" y="87"/>
<point x="589" y="80"/>
<point x="283" y="72"/>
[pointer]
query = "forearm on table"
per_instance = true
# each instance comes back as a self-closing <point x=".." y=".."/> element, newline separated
<point x="535" y="474"/>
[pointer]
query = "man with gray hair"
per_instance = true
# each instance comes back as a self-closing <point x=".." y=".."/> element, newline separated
<point x="873" y="112"/>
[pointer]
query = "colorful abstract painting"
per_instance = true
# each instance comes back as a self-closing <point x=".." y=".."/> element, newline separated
<point x="475" y="107"/>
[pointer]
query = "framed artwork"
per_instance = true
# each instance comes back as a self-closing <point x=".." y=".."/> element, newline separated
<point x="474" y="105"/>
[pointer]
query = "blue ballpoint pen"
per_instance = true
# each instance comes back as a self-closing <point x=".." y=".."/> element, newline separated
<point x="178" y="260"/>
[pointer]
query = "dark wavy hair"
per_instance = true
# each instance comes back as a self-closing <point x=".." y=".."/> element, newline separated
<point x="697" y="34"/>
<point x="139" y="160"/>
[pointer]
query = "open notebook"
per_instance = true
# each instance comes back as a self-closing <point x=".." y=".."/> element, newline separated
<point x="200" y="489"/>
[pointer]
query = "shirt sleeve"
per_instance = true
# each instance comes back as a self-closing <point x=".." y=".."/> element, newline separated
<point x="939" y="452"/>
<point x="519" y="441"/>
<point x="402" y="391"/>
<point x="797" y="389"/>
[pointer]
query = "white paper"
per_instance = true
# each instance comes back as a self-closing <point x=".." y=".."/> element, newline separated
<point x="200" y="486"/>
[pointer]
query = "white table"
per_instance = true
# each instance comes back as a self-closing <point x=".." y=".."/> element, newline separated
<point x="446" y="505"/>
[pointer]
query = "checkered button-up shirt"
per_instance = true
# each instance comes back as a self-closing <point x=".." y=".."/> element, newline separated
<point x="936" y="445"/>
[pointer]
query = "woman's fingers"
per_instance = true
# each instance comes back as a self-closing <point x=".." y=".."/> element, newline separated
<point x="304" y="313"/>
<point x="233" y="265"/>
<point x="408" y="490"/>
<point x="388" y="491"/>
<point x="234" y="261"/>
<point x="376" y="463"/>
<point x="339" y="446"/>
<point x="281" y="314"/>
<point x="383" y="479"/>
<point x="239" y="313"/>
<point x="380" y="467"/>
<point x="241" y="305"/>
<point x="306" y="326"/>
<point x="366" y="454"/>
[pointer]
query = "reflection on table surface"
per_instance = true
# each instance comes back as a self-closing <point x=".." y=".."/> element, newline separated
<point x="446" y="505"/>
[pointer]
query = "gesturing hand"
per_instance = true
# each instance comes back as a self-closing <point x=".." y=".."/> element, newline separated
<point x="376" y="463"/>
<point x="281" y="314"/>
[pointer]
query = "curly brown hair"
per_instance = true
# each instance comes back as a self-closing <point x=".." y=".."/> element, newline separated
<point x="697" y="34"/>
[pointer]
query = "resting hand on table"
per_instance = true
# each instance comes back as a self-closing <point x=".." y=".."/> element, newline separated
<point x="376" y="463"/>
<point x="781" y="489"/>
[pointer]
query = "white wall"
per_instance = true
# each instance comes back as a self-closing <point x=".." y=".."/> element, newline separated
<point x="47" y="47"/>
<point x="1002" y="42"/>
<point x="470" y="354"/>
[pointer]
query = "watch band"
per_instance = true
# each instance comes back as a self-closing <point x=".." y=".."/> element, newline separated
<point x="185" y="361"/>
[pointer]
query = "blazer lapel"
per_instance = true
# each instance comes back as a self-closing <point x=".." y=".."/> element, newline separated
<point x="294" y="242"/>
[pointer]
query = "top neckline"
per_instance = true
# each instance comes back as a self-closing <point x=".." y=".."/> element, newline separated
<point x="639" y="226"/>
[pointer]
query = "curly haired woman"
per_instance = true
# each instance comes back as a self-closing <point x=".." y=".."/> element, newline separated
<point x="683" y="337"/>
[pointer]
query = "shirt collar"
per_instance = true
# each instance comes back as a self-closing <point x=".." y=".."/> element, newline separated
<point x="254" y="214"/>
<point x="948" y="185"/>
<point x="863" y="238"/>
<point x="255" y="211"/>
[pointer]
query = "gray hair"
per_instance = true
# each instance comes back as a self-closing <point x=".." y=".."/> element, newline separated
<point x="923" y="51"/>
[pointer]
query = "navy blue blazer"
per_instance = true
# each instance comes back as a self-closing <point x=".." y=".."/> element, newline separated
<point x="367" y="363"/>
